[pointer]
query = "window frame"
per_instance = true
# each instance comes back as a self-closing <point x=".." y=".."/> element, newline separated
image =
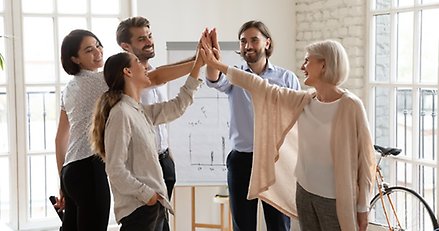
<point x="392" y="85"/>
<point x="16" y="99"/>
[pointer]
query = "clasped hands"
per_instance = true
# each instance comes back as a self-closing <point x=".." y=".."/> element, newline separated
<point x="208" y="47"/>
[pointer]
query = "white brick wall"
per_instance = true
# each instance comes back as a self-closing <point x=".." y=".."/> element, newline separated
<point x="341" y="20"/>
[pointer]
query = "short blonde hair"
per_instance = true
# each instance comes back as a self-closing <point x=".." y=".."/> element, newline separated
<point x="336" y="60"/>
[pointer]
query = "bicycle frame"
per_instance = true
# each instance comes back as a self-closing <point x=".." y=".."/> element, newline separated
<point x="388" y="205"/>
<point x="382" y="187"/>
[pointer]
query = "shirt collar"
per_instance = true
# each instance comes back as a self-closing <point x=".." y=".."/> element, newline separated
<point x="149" y="67"/>
<point x="269" y="66"/>
<point x="132" y="102"/>
<point x="84" y="72"/>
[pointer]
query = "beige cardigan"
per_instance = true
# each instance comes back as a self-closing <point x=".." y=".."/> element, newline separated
<point x="276" y="111"/>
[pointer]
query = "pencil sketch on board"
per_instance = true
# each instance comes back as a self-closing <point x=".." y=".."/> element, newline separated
<point x="199" y="139"/>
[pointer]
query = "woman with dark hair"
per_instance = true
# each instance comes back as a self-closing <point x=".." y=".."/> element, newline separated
<point x="85" y="194"/>
<point x="122" y="133"/>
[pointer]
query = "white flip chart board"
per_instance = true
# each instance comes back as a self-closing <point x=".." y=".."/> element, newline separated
<point x="199" y="140"/>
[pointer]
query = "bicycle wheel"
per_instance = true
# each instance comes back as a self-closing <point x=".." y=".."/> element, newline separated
<point x="412" y="210"/>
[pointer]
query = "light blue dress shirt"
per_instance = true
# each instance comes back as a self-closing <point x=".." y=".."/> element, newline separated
<point x="241" y="111"/>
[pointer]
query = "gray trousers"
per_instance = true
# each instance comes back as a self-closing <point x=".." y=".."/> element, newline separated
<point x="316" y="213"/>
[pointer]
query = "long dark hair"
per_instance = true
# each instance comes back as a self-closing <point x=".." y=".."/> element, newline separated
<point x="114" y="77"/>
<point x="70" y="47"/>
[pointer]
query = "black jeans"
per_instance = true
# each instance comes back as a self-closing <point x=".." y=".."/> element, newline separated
<point x="168" y="168"/>
<point x="244" y="212"/>
<point x="87" y="195"/>
<point x="144" y="218"/>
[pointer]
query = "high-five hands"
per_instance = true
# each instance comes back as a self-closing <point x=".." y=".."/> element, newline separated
<point x="210" y="52"/>
<point x="199" y="61"/>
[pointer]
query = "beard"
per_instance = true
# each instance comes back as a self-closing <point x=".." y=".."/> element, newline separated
<point x="254" y="57"/>
<point x="143" y="54"/>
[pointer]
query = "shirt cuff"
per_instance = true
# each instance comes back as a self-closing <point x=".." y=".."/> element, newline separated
<point x="193" y="83"/>
<point x="145" y="194"/>
<point x="219" y="77"/>
<point x="362" y="209"/>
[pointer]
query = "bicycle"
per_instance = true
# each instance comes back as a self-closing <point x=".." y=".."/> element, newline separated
<point x="398" y="208"/>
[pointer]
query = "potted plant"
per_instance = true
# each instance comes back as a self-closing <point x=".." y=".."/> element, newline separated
<point x="1" y="61"/>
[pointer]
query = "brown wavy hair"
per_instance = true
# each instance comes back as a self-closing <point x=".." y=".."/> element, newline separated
<point x="123" y="33"/>
<point x="264" y="31"/>
<point x="114" y="77"/>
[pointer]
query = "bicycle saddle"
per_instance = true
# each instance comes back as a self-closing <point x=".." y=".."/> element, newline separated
<point x="385" y="151"/>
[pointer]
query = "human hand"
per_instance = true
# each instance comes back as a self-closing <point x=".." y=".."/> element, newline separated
<point x="210" y="56"/>
<point x="215" y="44"/>
<point x="199" y="61"/>
<point x="208" y="52"/>
<point x="60" y="202"/>
<point x="154" y="199"/>
<point x="362" y="219"/>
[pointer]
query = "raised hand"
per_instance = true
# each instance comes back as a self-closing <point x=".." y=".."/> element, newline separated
<point x="207" y="52"/>
<point x="199" y="60"/>
<point x="210" y="53"/>
<point x="215" y="44"/>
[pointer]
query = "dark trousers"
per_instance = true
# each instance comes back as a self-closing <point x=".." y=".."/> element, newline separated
<point x="144" y="218"/>
<point x="87" y="195"/>
<point x="168" y="168"/>
<point x="316" y="213"/>
<point x="244" y="212"/>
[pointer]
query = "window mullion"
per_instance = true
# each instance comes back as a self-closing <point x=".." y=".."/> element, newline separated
<point x="437" y="159"/>
<point x="416" y="100"/>
<point x="393" y="47"/>
<point x="88" y="13"/>
<point x="416" y="46"/>
<point x="11" y="94"/>
<point x="416" y="94"/>
<point x="21" y="214"/>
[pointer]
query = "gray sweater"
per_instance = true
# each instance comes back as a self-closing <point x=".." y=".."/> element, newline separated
<point x="131" y="159"/>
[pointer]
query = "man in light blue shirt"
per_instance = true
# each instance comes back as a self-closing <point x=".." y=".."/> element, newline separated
<point x="256" y="46"/>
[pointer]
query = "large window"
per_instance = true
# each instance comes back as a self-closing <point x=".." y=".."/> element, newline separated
<point x="30" y="89"/>
<point x="403" y="90"/>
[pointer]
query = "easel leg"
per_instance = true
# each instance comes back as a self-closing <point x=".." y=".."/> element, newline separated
<point x="193" y="207"/>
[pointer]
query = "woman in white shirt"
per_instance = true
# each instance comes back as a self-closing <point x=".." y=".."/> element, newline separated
<point x="123" y="135"/>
